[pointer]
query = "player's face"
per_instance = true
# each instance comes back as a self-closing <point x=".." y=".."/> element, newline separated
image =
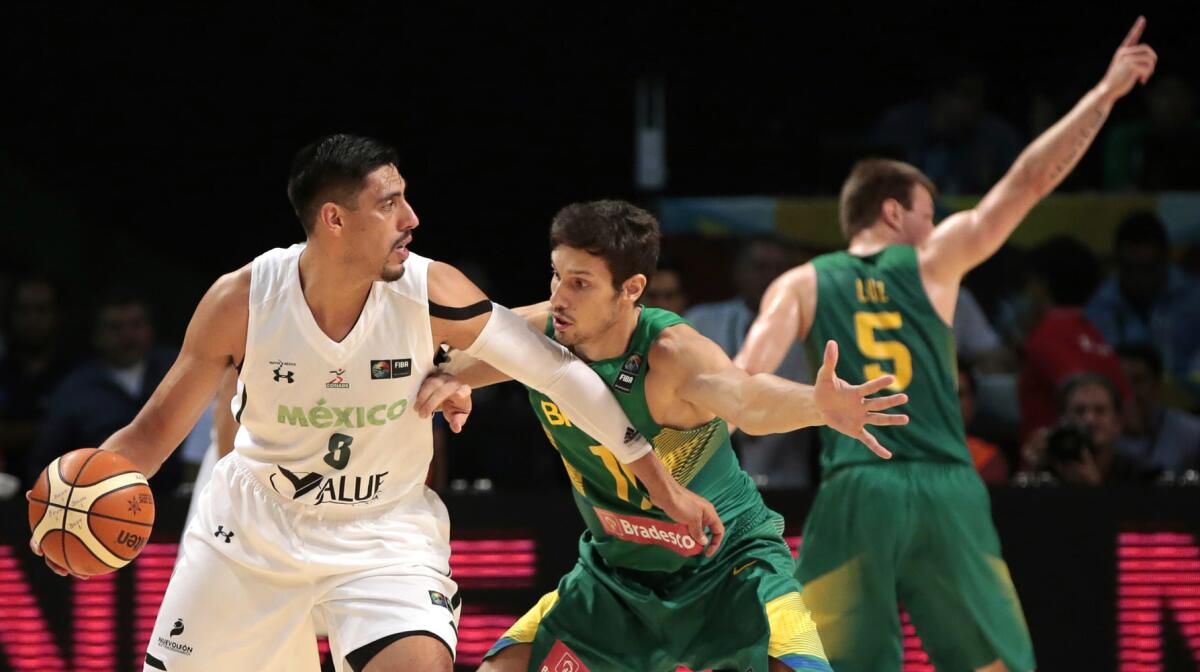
<point x="917" y="222"/>
<point x="583" y="302"/>
<point x="383" y="222"/>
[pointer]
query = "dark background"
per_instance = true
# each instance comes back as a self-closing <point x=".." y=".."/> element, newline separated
<point x="154" y="143"/>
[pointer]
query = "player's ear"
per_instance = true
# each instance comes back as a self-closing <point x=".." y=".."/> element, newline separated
<point x="634" y="287"/>
<point x="329" y="217"/>
<point x="892" y="211"/>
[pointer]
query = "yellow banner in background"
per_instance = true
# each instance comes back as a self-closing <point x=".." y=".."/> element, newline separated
<point x="812" y="221"/>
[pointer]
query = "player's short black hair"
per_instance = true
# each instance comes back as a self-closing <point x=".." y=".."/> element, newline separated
<point x="333" y="169"/>
<point x="626" y="236"/>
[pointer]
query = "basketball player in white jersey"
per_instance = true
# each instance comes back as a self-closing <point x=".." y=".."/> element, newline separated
<point x="321" y="510"/>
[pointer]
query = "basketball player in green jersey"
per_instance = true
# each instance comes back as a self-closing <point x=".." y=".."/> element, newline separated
<point x="917" y="529"/>
<point x="644" y="595"/>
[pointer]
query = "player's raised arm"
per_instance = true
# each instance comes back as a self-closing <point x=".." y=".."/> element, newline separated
<point x="767" y="404"/>
<point x="782" y="318"/>
<point x="215" y="341"/>
<point x="966" y="238"/>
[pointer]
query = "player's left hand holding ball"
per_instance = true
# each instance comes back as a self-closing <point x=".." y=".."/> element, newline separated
<point x="90" y="513"/>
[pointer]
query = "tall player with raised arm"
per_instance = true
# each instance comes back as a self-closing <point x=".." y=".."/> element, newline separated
<point x="918" y="528"/>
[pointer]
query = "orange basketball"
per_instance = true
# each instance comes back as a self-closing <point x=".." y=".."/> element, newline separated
<point x="91" y="511"/>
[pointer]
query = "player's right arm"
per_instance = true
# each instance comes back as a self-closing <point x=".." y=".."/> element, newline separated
<point x="785" y="314"/>
<point x="966" y="239"/>
<point x="214" y="343"/>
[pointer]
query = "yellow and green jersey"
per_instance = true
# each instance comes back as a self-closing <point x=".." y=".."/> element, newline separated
<point x="627" y="530"/>
<point x="876" y="308"/>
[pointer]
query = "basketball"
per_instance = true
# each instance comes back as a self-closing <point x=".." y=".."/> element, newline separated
<point x="91" y="511"/>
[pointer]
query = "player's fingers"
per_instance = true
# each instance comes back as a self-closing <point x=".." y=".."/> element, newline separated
<point x="881" y="419"/>
<point x="717" y="528"/>
<point x="1135" y="33"/>
<point x="872" y="443"/>
<point x="435" y="395"/>
<point x="884" y="403"/>
<point x="37" y="550"/>
<point x="696" y="529"/>
<point x="56" y="568"/>
<point x="829" y="361"/>
<point x="874" y="385"/>
<point x="462" y="397"/>
<point x="456" y="420"/>
<point x="429" y="388"/>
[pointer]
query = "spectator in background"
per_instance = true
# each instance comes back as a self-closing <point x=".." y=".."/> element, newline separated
<point x="1062" y="274"/>
<point x="104" y="394"/>
<point x="952" y="137"/>
<point x="30" y="371"/>
<point x="988" y="459"/>
<point x="776" y="460"/>
<point x="666" y="289"/>
<point x="1082" y="447"/>
<point x="1162" y="151"/>
<point x="1150" y="301"/>
<point x="977" y="342"/>
<point x="1157" y="437"/>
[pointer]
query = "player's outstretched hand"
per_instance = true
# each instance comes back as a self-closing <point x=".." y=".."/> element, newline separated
<point x="686" y="507"/>
<point x="1133" y="63"/>
<point x="847" y="409"/>
<point x="54" y="567"/>
<point x="442" y="391"/>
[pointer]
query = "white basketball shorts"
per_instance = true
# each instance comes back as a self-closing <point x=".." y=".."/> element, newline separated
<point x="255" y="568"/>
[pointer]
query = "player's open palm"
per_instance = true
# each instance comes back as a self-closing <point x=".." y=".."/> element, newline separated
<point x="442" y="391"/>
<point x="848" y="409"/>
<point x="1132" y="63"/>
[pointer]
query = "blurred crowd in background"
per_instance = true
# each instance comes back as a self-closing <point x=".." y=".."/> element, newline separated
<point x="1074" y="367"/>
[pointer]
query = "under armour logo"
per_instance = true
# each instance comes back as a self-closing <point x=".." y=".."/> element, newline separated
<point x="178" y="629"/>
<point x="222" y="533"/>
<point x="280" y="375"/>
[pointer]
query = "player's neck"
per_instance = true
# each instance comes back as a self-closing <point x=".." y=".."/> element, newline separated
<point x="872" y="240"/>
<point x="612" y="342"/>
<point x="334" y="292"/>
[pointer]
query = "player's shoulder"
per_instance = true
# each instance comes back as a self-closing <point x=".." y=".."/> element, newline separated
<point x="677" y="346"/>
<point x="449" y="286"/>
<point x="232" y="289"/>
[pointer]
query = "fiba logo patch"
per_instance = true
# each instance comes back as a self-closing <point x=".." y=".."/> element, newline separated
<point x="562" y="659"/>
<point x="628" y="374"/>
<point x="386" y="369"/>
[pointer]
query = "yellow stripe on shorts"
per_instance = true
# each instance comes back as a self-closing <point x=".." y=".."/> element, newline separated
<point x="793" y="631"/>
<point x="525" y="629"/>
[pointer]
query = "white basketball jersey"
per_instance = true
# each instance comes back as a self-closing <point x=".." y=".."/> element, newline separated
<point x="331" y="424"/>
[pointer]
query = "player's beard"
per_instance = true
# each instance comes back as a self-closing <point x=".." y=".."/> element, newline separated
<point x="391" y="273"/>
<point x="577" y="337"/>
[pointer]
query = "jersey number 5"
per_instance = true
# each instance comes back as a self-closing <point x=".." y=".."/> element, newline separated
<point x="865" y="324"/>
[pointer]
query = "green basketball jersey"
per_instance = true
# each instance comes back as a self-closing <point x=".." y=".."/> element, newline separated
<point x="627" y="530"/>
<point x="876" y="308"/>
